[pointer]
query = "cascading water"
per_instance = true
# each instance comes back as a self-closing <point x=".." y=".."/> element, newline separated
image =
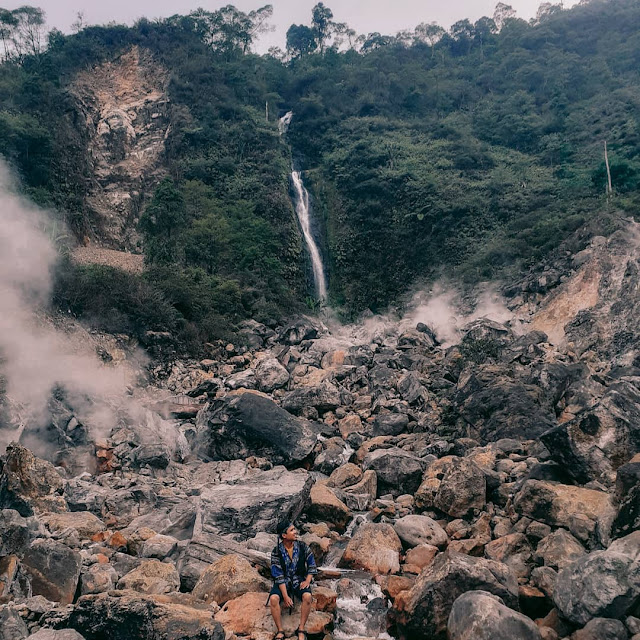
<point x="304" y="218"/>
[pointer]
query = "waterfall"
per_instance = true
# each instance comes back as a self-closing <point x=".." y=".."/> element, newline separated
<point x="304" y="218"/>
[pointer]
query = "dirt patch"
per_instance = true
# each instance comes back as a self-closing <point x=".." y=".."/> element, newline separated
<point x="129" y="262"/>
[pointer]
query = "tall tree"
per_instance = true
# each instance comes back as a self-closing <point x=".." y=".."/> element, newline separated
<point x="301" y="40"/>
<point x="431" y="33"/>
<point x="321" y="21"/>
<point x="502" y="13"/>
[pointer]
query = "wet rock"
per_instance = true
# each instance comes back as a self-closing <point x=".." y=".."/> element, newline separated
<point x="397" y="471"/>
<point x="326" y="506"/>
<point x="248" y="616"/>
<point x="270" y="375"/>
<point x="250" y="424"/>
<point x="256" y="504"/>
<point x="601" y="584"/>
<point x="453" y="485"/>
<point x="416" y="530"/>
<point x="125" y="615"/>
<point x="375" y="548"/>
<point x="84" y="523"/>
<point x="54" y="570"/>
<point x="15" y="532"/>
<point x="325" y="397"/>
<point x="325" y="599"/>
<point x="559" y="549"/>
<point x="99" y="578"/>
<point x="158" y="546"/>
<point x="424" y="610"/>
<point x="585" y="512"/>
<point x="151" y="577"/>
<point x="479" y="615"/>
<point x="513" y="550"/>
<point x="361" y="495"/>
<point x="229" y="578"/>
<point x="28" y="483"/>
<point x="601" y="629"/>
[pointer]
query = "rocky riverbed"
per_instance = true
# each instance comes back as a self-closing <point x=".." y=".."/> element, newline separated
<point x="489" y="489"/>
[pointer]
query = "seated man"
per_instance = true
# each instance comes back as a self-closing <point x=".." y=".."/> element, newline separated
<point x="292" y="568"/>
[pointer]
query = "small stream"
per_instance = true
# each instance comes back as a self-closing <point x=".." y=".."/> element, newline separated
<point x="361" y="606"/>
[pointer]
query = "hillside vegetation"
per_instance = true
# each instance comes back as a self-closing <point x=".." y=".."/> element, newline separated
<point x="472" y="152"/>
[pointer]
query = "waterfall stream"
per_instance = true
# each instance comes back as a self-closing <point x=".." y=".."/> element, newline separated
<point x="304" y="218"/>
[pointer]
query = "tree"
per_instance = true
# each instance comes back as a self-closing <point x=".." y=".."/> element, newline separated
<point x="462" y="32"/>
<point x="431" y="33"/>
<point x="321" y="21"/>
<point x="8" y="25"/>
<point x="484" y="29"/>
<point x="546" y="10"/>
<point x="502" y="13"/>
<point x="301" y="40"/>
<point x="28" y="35"/>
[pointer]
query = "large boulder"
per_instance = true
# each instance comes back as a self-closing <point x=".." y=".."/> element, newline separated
<point x="559" y="549"/>
<point x="453" y="485"/>
<point x="327" y="507"/>
<point x="270" y="375"/>
<point x="415" y="530"/>
<point x="325" y="397"/>
<point x="397" y="471"/>
<point x="479" y="615"/>
<point x="603" y="584"/>
<point x="256" y="504"/>
<point x="151" y="577"/>
<point x="54" y="570"/>
<point x="587" y="513"/>
<point x="85" y="523"/>
<point x="15" y="533"/>
<point x="56" y="634"/>
<point x="602" y="629"/>
<point x="12" y="626"/>
<point x="98" y="578"/>
<point x="628" y="496"/>
<point x="375" y="548"/>
<point x="251" y="424"/>
<point x="126" y="615"/>
<point x="513" y="550"/>
<point x="28" y="483"/>
<point x="229" y="578"/>
<point x="423" y="611"/>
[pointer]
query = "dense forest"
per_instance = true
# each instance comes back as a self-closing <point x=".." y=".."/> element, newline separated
<point x="471" y="153"/>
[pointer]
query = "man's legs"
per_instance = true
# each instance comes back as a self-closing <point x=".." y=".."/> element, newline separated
<point x="274" y="605"/>
<point x="305" y="609"/>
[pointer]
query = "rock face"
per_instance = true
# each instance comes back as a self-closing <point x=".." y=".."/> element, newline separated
<point x="54" y="570"/>
<point x="125" y="615"/>
<point x="603" y="584"/>
<point x="425" y="609"/>
<point x="256" y="504"/>
<point x="123" y="105"/>
<point x="229" y="578"/>
<point x="250" y="424"/>
<point x="479" y="615"/>
<point x="375" y="548"/>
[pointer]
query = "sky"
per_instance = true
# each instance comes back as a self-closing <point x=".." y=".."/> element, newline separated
<point x="365" y="16"/>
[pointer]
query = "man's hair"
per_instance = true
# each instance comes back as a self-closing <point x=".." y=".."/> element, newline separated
<point x="282" y="527"/>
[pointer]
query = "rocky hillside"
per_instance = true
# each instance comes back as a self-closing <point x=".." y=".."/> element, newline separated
<point x="485" y="489"/>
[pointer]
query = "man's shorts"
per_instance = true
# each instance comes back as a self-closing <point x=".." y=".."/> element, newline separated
<point x="297" y="593"/>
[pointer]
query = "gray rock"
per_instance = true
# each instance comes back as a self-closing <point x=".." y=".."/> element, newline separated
<point x="603" y="584"/>
<point x="241" y="380"/>
<point x="56" y="634"/>
<point x="325" y="397"/>
<point x="398" y="471"/>
<point x="157" y="456"/>
<point x="414" y="530"/>
<point x="479" y="615"/>
<point x="602" y="629"/>
<point x="98" y="578"/>
<point x="336" y="453"/>
<point x="428" y="604"/>
<point x="270" y="375"/>
<point x="158" y="546"/>
<point x="54" y="570"/>
<point x="390" y="424"/>
<point x="250" y="424"/>
<point x="151" y="577"/>
<point x="12" y="627"/>
<point x="14" y="532"/>
<point x="559" y="549"/>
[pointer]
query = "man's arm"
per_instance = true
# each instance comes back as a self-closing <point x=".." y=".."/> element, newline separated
<point x="311" y="568"/>
<point x="278" y="576"/>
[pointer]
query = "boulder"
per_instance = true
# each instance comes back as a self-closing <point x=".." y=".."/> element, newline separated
<point x="479" y="615"/>
<point x="247" y="616"/>
<point x="424" y="610"/>
<point x="602" y="584"/>
<point x="158" y="546"/>
<point x="559" y="549"/>
<point x="513" y="550"/>
<point x="416" y="530"/>
<point x="628" y="495"/>
<point x="28" y="483"/>
<point x="361" y="495"/>
<point x="390" y="424"/>
<point x="327" y="507"/>
<point x="12" y="627"/>
<point x="151" y="577"/>
<point x="397" y="471"/>
<point x="256" y="504"/>
<point x="374" y="548"/>
<point x="587" y="513"/>
<point x="85" y="523"/>
<point x="54" y="570"/>
<point x="56" y="634"/>
<point x="344" y="476"/>
<point x="350" y="424"/>
<point x="250" y="424"/>
<point x="15" y="532"/>
<point x="419" y="557"/>
<point x="324" y="397"/>
<point x="602" y="629"/>
<point x="98" y="578"/>
<point x="229" y="578"/>
<point x="126" y="615"/>
<point x="270" y="375"/>
<point x="453" y="485"/>
<point x="335" y="453"/>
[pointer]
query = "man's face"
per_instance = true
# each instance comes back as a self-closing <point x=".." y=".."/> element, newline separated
<point x="290" y="534"/>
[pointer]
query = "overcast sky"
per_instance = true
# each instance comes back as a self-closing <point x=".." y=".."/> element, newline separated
<point x="365" y="16"/>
